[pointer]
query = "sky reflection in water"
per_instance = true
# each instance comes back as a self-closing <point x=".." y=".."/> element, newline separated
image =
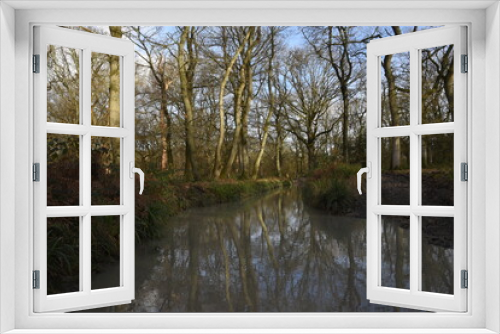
<point x="269" y="254"/>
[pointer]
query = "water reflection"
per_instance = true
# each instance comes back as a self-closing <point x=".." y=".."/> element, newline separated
<point x="270" y="254"/>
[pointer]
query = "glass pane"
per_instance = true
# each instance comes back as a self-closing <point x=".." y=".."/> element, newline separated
<point x="395" y="89"/>
<point x="437" y="254"/>
<point x="105" y="171"/>
<point x="437" y="169"/>
<point x="437" y="84"/>
<point x="395" y="170"/>
<point x="105" y="252"/>
<point x="63" y="84"/>
<point x="105" y="89"/>
<point x="63" y="255"/>
<point x="395" y="252"/>
<point x="63" y="170"/>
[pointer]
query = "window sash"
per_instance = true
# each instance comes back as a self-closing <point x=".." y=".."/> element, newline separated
<point x="86" y="297"/>
<point x="414" y="298"/>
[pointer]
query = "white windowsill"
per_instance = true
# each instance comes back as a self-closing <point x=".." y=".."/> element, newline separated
<point x="484" y="242"/>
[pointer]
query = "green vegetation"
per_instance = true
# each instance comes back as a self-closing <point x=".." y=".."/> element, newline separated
<point x="332" y="188"/>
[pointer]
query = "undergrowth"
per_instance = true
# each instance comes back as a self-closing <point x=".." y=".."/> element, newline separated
<point x="332" y="188"/>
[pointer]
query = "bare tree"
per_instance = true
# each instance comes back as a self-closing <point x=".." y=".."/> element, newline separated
<point x="242" y="97"/>
<point x="339" y="46"/>
<point x="271" y="106"/>
<point x="310" y="100"/>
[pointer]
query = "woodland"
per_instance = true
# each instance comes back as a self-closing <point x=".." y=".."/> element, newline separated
<point x="220" y="107"/>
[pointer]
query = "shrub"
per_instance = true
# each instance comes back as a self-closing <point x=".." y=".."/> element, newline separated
<point x="332" y="188"/>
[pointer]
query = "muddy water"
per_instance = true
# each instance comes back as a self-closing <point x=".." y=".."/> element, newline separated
<point x="267" y="254"/>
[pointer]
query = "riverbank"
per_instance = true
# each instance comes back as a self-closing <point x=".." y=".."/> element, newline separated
<point x="169" y="198"/>
<point x="162" y="199"/>
<point x="334" y="189"/>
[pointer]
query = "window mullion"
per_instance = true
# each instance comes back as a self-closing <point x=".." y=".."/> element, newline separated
<point x="414" y="172"/>
<point x="85" y="274"/>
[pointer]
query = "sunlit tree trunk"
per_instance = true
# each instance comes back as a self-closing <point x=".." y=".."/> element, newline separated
<point x="222" y="114"/>
<point x="449" y="80"/>
<point x="247" y="63"/>
<point x="265" y="130"/>
<point x="186" y="76"/>
<point x="114" y="82"/>
<point x="114" y="92"/>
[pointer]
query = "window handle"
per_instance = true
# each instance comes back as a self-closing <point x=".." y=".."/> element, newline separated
<point x="368" y="171"/>
<point x="141" y="175"/>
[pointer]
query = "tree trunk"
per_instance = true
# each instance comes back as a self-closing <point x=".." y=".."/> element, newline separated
<point x="170" y="150"/>
<point x="393" y="107"/>
<point x="237" y="115"/>
<point x="114" y="82"/>
<point x="270" y="85"/>
<point x="243" y="147"/>
<point x="262" y="146"/>
<point x="163" y="130"/>
<point x="345" y="121"/>
<point x="311" y="156"/>
<point x="247" y="63"/>
<point x="449" y="84"/>
<point x="186" y="75"/>
<point x="222" y="114"/>
<point x="114" y="94"/>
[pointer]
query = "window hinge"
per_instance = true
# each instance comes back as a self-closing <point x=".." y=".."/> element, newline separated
<point x="464" y="171"/>
<point x="36" y="63"/>
<point x="36" y="172"/>
<point x="36" y="279"/>
<point x="465" y="279"/>
<point x="465" y="63"/>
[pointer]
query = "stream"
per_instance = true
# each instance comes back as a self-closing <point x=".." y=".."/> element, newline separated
<point x="266" y="254"/>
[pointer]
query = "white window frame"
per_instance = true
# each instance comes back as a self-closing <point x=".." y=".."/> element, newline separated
<point x="414" y="297"/>
<point x="484" y="103"/>
<point x="86" y="44"/>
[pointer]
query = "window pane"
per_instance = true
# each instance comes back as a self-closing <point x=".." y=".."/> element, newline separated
<point x="437" y="169"/>
<point x="63" y="84"/>
<point x="105" y="89"/>
<point x="63" y="255"/>
<point x="395" y="252"/>
<point x="395" y="89"/>
<point x="437" y="84"/>
<point x="63" y="170"/>
<point x="437" y="254"/>
<point x="105" y="171"/>
<point x="105" y="252"/>
<point x="395" y="170"/>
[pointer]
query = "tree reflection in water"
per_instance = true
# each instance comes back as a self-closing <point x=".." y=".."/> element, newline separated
<point x="270" y="254"/>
